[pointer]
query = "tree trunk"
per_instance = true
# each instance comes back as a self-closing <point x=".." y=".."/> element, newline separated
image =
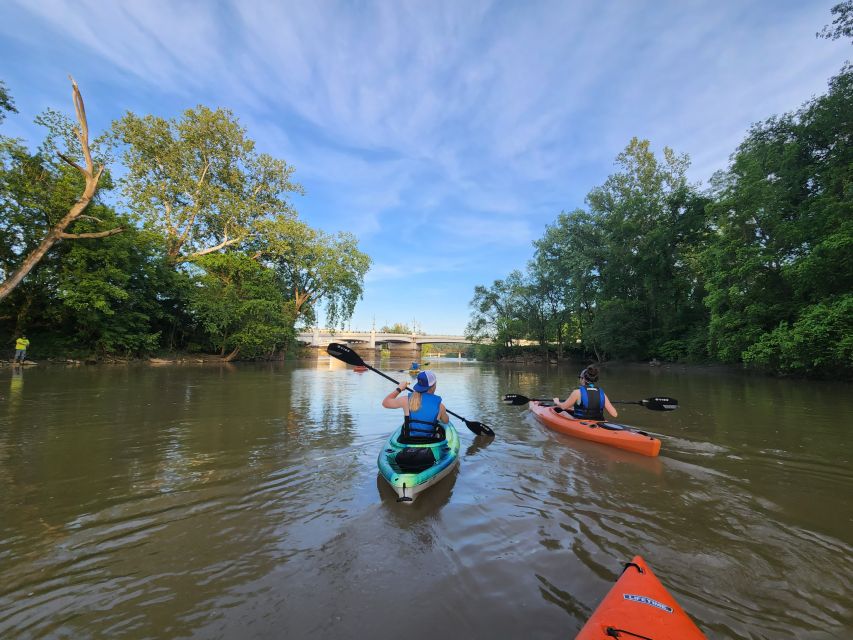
<point x="560" y="341"/>
<point x="232" y="355"/>
<point x="57" y="232"/>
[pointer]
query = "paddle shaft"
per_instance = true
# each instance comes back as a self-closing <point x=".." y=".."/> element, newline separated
<point x="455" y="415"/>
<point x="342" y="352"/>
<point x="659" y="403"/>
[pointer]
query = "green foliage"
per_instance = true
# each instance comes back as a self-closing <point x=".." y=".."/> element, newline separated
<point x="211" y="256"/>
<point x="842" y="25"/>
<point x="625" y="278"/>
<point x="758" y="270"/>
<point x="784" y="218"/>
<point x="692" y="348"/>
<point x="619" y="328"/>
<point x="397" y="327"/>
<point x="6" y="101"/>
<point x="819" y="342"/>
<point x="198" y="180"/>
<point x="95" y="297"/>
<point x="498" y="311"/>
<point x="316" y="267"/>
<point x="238" y="304"/>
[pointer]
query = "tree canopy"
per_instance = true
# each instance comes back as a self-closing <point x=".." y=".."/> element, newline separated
<point x="211" y="255"/>
<point x="198" y="180"/>
<point x="754" y="270"/>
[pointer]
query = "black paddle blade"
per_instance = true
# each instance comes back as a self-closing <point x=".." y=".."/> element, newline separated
<point x="479" y="428"/>
<point x="343" y="352"/>
<point x="515" y="399"/>
<point x="660" y="404"/>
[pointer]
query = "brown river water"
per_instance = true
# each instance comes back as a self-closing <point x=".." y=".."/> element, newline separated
<point x="243" y="501"/>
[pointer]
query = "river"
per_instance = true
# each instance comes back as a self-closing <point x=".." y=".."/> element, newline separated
<point x="242" y="501"/>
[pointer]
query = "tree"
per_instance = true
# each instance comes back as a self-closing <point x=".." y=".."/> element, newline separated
<point x="652" y="222"/>
<point x="314" y="267"/>
<point x="240" y="306"/>
<point x="397" y="327"/>
<point x="6" y="102"/>
<point x="569" y="258"/>
<point x="780" y="261"/>
<point x="842" y="26"/>
<point x="198" y="180"/>
<point x="26" y="179"/>
<point x="497" y="313"/>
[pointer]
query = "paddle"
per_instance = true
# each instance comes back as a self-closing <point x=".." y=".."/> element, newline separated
<point x="344" y="353"/>
<point x="658" y="403"/>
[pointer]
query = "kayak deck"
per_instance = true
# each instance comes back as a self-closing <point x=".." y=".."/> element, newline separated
<point x="639" y="606"/>
<point x="603" y="432"/>
<point x="410" y="468"/>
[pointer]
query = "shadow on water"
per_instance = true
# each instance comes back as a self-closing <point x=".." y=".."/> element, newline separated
<point x="478" y="444"/>
<point x="424" y="506"/>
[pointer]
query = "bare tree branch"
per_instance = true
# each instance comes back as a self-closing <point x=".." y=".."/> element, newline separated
<point x="57" y="232"/>
<point x="71" y="162"/>
<point x="94" y="234"/>
<point x="204" y="252"/>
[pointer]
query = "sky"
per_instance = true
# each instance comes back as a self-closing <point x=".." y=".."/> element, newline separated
<point x="444" y="135"/>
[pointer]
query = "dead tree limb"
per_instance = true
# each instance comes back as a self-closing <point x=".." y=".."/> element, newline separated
<point x="91" y="175"/>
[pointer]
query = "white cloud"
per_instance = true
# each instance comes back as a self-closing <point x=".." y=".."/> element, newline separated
<point x="466" y="125"/>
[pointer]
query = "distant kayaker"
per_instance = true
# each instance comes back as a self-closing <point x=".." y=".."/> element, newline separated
<point x="21" y="345"/>
<point x="587" y="401"/>
<point x="423" y="409"/>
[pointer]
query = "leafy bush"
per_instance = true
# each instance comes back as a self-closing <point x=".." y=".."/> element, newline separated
<point x="819" y="342"/>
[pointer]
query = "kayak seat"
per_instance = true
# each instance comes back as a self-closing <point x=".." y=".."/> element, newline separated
<point x="406" y="436"/>
<point x="414" y="460"/>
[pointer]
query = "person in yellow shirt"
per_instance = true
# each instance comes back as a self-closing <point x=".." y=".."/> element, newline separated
<point x="21" y="345"/>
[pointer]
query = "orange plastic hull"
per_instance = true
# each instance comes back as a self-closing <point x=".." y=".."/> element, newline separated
<point x="592" y="430"/>
<point x="638" y="606"/>
<point x="359" y="369"/>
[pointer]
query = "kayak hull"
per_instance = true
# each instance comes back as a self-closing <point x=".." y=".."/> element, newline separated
<point x="638" y="606"/>
<point x="410" y="480"/>
<point x="609" y="433"/>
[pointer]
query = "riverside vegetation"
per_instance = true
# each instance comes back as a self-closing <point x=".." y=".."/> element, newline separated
<point x="756" y="269"/>
<point x="197" y="247"/>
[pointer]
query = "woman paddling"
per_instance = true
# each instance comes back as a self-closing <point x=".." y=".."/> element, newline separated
<point x="587" y="401"/>
<point x="423" y="410"/>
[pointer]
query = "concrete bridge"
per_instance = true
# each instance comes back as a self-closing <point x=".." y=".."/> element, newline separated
<point x="376" y="339"/>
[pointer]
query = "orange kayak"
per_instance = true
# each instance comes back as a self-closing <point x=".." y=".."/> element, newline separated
<point x="638" y="606"/>
<point x="359" y="369"/>
<point x="615" y="435"/>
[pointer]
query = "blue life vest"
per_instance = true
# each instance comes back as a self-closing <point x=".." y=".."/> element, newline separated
<point x="591" y="403"/>
<point x="423" y="423"/>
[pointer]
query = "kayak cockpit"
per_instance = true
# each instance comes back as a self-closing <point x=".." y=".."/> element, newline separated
<point x="413" y="460"/>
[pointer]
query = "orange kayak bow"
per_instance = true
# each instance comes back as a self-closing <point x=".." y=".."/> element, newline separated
<point x="638" y="606"/>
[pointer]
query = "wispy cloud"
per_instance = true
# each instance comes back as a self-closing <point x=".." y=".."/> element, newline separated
<point x="465" y="126"/>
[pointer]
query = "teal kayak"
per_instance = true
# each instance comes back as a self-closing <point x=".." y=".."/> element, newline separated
<point x="411" y="467"/>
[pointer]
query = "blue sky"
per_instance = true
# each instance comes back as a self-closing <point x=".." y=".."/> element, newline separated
<point x="445" y="135"/>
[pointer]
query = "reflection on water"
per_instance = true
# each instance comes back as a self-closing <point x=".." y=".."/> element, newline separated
<point x="244" y="501"/>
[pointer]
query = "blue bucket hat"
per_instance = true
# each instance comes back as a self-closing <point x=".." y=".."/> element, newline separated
<point x="425" y="380"/>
